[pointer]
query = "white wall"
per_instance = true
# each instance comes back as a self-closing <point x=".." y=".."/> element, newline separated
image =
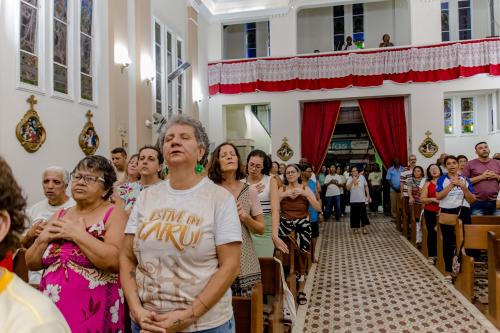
<point x="379" y="20"/>
<point x="174" y="15"/>
<point x="234" y="41"/>
<point x="63" y="120"/>
<point x="314" y="30"/>
<point x="481" y="18"/>
<point x="425" y="105"/>
<point x="203" y="56"/>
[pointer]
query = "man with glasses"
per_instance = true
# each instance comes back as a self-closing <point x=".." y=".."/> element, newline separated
<point x="54" y="183"/>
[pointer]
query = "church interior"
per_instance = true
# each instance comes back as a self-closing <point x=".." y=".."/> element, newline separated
<point x="342" y="83"/>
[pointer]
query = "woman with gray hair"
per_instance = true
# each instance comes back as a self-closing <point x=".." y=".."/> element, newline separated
<point x="79" y="249"/>
<point x="183" y="243"/>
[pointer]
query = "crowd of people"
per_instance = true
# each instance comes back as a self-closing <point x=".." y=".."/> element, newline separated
<point x="160" y="241"/>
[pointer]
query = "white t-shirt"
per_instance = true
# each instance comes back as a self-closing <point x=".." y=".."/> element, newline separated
<point x="332" y="189"/>
<point x="43" y="211"/>
<point x="455" y="197"/>
<point x="358" y="191"/>
<point x="375" y="178"/>
<point x="343" y="180"/>
<point x="23" y="309"/>
<point x="40" y="212"/>
<point x="176" y="235"/>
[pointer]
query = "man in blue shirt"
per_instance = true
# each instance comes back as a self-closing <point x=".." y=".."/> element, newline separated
<point x="393" y="176"/>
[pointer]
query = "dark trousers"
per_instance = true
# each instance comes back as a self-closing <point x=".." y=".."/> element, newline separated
<point x="358" y="215"/>
<point x="344" y="199"/>
<point x="376" y="195"/>
<point x="448" y="231"/>
<point x="430" y="222"/>
<point x="330" y="202"/>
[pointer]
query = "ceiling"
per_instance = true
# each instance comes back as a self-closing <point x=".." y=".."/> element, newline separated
<point x="222" y="7"/>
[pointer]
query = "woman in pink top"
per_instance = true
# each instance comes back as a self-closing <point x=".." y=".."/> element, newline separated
<point x="78" y="250"/>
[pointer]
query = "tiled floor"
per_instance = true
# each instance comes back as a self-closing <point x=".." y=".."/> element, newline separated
<point x="379" y="283"/>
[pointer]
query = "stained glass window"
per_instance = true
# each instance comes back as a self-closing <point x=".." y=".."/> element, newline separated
<point x="86" y="52"/>
<point x="158" y="68"/>
<point x="467" y="114"/>
<point x="60" y="36"/>
<point x="445" y="21"/>
<point x="448" y="116"/>
<point x="28" y="42"/>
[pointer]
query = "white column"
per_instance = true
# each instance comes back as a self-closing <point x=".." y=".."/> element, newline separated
<point x="215" y="41"/>
<point x="426" y="103"/>
<point x="286" y="122"/>
<point x="425" y="21"/>
<point x="283" y="30"/>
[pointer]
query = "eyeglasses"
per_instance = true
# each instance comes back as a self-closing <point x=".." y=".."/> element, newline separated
<point x="255" y="166"/>
<point x="88" y="179"/>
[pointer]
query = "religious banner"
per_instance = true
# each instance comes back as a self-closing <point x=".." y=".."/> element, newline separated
<point x="88" y="138"/>
<point x="285" y="152"/>
<point x="30" y="131"/>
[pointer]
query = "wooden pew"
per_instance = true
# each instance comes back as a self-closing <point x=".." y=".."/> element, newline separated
<point x="475" y="238"/>
<point x="249" y="311"/>
<point x="424" y="249"/>
<point x="415" y="211"/>
<point x="399" y="217"/>
<point x="485" y="219"/>
<point x="476" y="220"/>
<point x="20" y="267"/>
<point x="405" y="214"/>
<point x="494" y="278"/>
<point x="272" y="288"/>
<point x="440" y="259"/>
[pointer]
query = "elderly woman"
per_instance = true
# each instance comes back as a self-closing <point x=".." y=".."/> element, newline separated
<point x="79" y="249"/>
<point x="257" y="169"/>
<point x="149" y="165"/>
<point x="226" y="170"/>
<point x="183" y="244"/>
<point x="23" y="308"/>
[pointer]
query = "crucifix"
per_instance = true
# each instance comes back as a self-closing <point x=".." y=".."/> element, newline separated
<point x="428" y="133"/>
<point x="32" y="101"/>
<point x="89" y="116"/>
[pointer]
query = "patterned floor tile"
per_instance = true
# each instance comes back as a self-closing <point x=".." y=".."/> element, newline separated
<point x="377" y="283"/>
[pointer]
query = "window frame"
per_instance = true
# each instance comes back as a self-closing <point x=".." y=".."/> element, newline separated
<point x="40" y="88"/>
<point x="470" y="21"/>
<point x="163" y="99"/>
<point x="456" y="103"/>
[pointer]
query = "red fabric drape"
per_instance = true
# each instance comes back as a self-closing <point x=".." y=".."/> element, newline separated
<point x="386" y="124"/>
<point x="318" y="123"/>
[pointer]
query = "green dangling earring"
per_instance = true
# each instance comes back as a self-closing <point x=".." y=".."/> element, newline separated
<point x="198" y="169"/>
<point x="165" y="170"/>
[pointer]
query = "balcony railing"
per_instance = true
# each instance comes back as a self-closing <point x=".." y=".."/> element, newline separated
<point x="429" y="63"/>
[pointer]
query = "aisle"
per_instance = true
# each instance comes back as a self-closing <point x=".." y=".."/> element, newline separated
<point x="379" y="283"/>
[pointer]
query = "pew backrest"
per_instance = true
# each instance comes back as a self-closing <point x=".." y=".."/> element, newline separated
<point x="485" y="219"/>
<point x="476" y="235"/>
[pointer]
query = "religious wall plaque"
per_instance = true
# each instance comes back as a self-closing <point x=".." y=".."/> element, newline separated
<point x="29" y="130"/>
<point x="88" y="138"/>
<point x="285" y="152"/>
<point x="428" y="147"/>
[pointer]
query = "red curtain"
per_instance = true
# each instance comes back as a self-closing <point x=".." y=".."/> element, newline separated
<point x="386" y="124"/>
<point x="318" y="123"/>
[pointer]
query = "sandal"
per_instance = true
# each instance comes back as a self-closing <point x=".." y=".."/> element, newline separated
<point x="301" y="298"/>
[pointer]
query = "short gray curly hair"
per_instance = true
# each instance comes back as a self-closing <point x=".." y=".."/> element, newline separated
<point x="199" y="132"/>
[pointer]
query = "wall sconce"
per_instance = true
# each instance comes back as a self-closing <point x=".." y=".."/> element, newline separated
<point x="124" y="65"/>
<point x="149" y="80"/>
